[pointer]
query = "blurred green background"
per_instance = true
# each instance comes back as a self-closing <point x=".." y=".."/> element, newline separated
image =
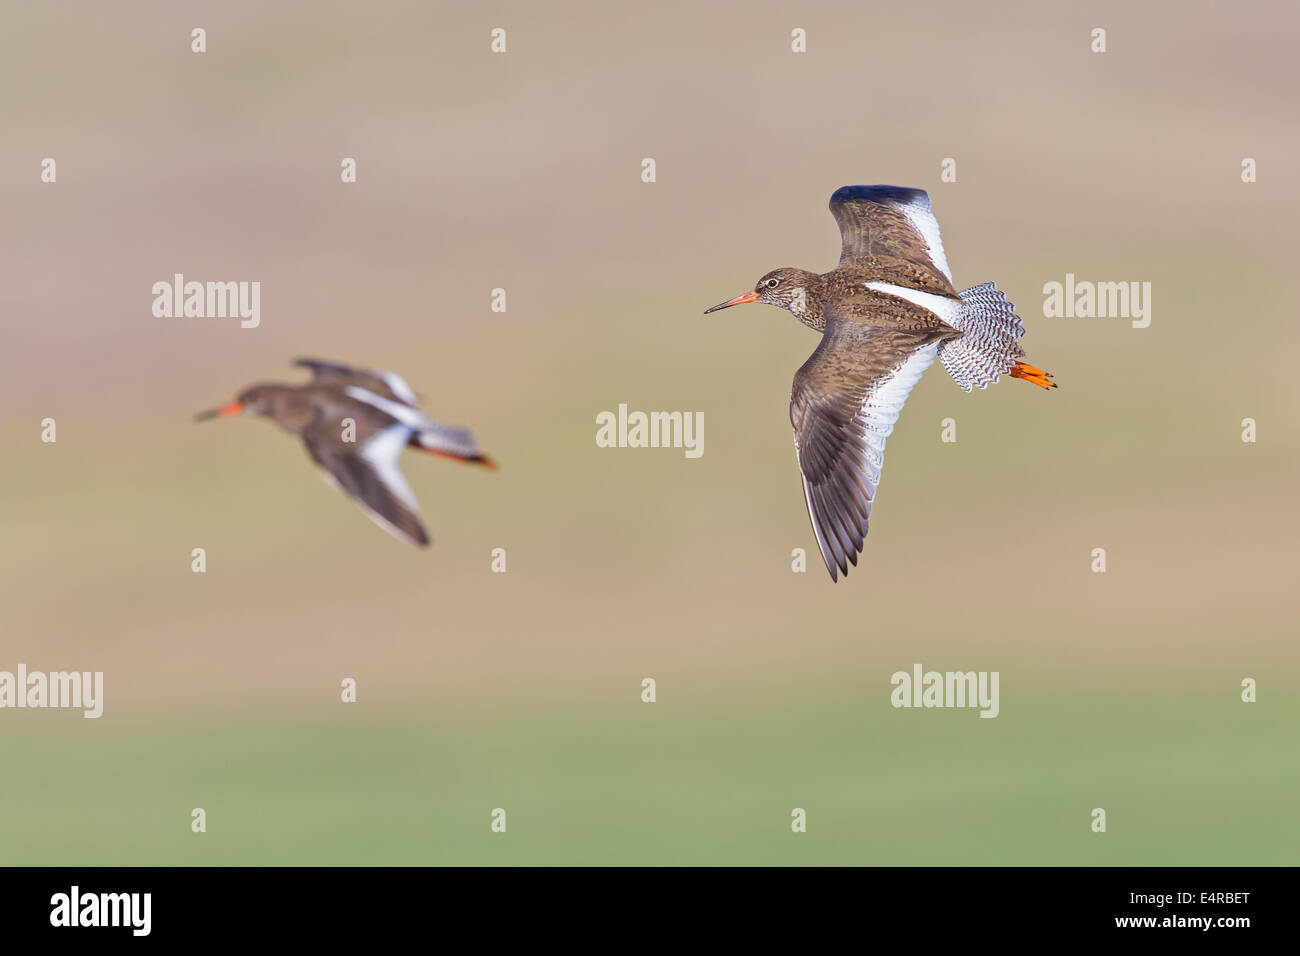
<point x="522" y="690"/>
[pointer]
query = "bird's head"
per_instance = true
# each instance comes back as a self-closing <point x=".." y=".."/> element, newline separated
<point x="795" y="290"/>
<point x="255" y="399"/>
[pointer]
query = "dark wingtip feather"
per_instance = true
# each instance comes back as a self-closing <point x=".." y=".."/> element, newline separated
<point x="880" y="194"/>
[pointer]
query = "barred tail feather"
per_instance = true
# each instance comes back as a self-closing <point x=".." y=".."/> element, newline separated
<point x="988" y="347"/>
<point x="455" y="443"/>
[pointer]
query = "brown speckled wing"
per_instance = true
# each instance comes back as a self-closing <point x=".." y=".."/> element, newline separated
<point x="384" y="384"/>
<point x="367" y="472"/>
<point x="844" y="403"/>
<point x="889" y="221"/>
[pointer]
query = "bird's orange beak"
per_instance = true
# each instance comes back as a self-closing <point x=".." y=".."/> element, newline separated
<point x="231" y="408"/>
<point x="738" y="300"/>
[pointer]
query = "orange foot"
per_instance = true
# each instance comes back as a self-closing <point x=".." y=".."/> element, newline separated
<point x="1030" y="374"/>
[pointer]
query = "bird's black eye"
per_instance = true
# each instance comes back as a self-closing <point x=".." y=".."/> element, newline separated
<point x="772" y="283"/>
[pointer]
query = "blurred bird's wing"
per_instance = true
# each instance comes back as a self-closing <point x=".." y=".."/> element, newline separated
<point x="843" y="405"/>
<point x="385" y="384"/>
<point x="889" y="221"/>
<point x="367" y="472"/>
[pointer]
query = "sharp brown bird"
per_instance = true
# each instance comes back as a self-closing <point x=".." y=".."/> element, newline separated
<point x="355" y="423"/>
<point x="885" y="312"/>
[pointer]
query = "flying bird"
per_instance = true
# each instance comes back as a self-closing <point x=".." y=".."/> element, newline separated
<point x="884" y="313"/>
<point x="355" y="423"/>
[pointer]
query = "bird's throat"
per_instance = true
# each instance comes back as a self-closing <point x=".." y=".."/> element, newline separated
<point x="809" y="311"/>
